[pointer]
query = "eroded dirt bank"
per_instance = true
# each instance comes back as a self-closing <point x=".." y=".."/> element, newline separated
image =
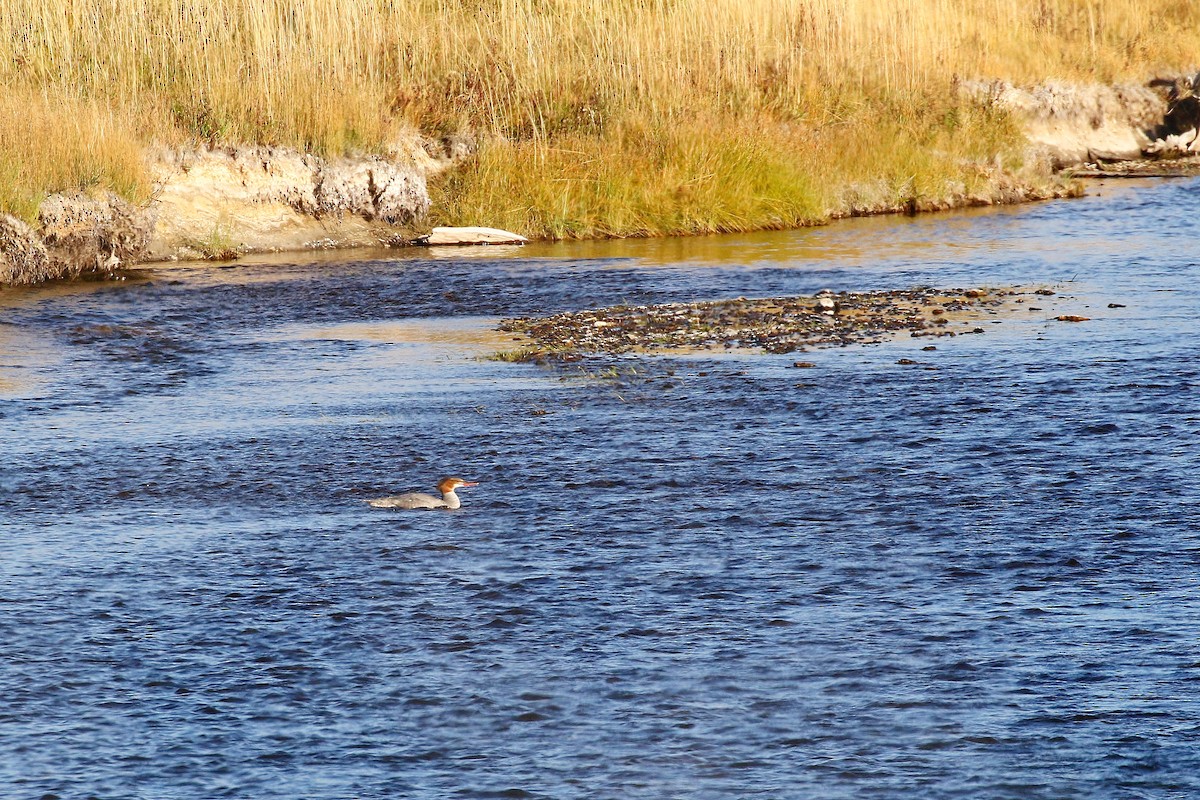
<point x="261" y="199"/>
<point x="222" y="202"/>
<point x="1088" y="125"/>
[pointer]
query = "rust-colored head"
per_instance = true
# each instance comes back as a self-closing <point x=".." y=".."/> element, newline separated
<point x="450" y="484"/>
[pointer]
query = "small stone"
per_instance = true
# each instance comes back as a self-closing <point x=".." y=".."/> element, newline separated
<point x="1116" y="305"/>
<point x="1072" y="318"/>
<point x="804" y="364"/>
<point x="1044" y="292"/>
<point x="776" y="325"/>
<point x="929" y="348"/>
<point x="906" y="361"/>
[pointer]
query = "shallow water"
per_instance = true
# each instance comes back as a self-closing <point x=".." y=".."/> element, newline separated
<point x="703" y="577"/>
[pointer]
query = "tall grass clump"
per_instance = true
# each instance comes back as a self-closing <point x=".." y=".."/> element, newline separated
<point x="59" y="143"/>
<point x="595" y="117"/>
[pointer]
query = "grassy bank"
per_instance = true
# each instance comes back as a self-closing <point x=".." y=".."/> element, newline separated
<point x="595" y="117"/>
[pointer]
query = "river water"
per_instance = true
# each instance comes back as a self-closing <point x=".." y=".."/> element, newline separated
<point x="719" y="576"/>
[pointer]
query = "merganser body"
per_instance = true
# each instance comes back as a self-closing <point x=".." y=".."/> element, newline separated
<point x="422" y="500"/>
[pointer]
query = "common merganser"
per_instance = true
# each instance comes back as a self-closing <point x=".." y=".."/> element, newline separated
<point x="421" y="500"/>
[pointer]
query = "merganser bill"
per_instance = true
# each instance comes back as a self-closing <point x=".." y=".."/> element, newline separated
<point x="421" y="500"/>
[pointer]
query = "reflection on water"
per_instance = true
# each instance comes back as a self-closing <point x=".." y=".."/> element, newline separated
<point x="477" y="335"/>
<point x="971" y="574"/>
<point x="24" y="356"/>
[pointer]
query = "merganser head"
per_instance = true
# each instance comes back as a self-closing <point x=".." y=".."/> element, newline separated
<point x="450" y="484"/>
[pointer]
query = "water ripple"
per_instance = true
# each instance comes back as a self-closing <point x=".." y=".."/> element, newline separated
<point x="701" y="577"/>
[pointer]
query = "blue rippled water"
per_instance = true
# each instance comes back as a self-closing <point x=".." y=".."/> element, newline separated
<point x="717" y="576"/>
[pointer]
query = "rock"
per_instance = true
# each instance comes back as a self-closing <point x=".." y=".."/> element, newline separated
<point x="1182" y="118"/>
<point x="457" y="236"/>
<point x="1072" y="318"/>
<point x="1071" y="123"/>
<point x="1116" y="305"/>
<point x="1173" y="146"/>
<point x="259" y="199"/>
<point x="827" y="305"/>
<point x="371" y="188"/>
<point x="804" y="364"/>
<point x="906" y="362"/>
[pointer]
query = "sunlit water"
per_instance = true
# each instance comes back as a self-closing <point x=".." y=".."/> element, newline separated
<point x="702" y="577"/>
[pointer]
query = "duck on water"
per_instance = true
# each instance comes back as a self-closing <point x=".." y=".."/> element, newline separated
<point x="422" y="500"/>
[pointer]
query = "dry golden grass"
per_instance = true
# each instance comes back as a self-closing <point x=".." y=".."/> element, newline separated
<point x="61" y="143"/>
<point x="713" y="174"/>
<point x="540" y="78"/>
